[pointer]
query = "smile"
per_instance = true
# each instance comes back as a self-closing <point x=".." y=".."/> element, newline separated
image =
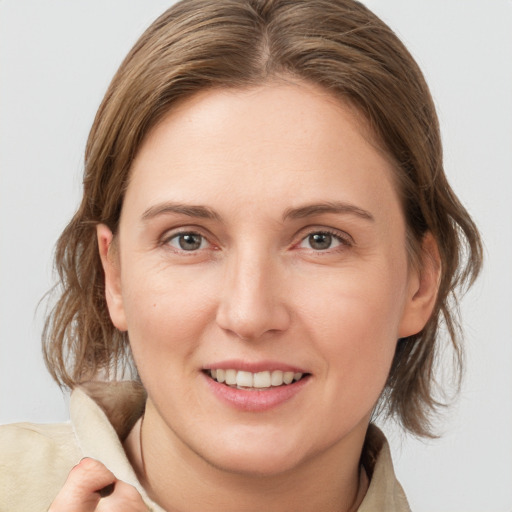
<point x="247" y="380"/>
<point x="256" y="391"/>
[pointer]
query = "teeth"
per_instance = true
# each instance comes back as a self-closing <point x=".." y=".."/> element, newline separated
<point x="276" y="378"/>
<point x="231" y="377"/>
<point x="265" y="379"/>
<point x="244" y="379"/>
<point x="262" y="380"/>
<point x="287" y="377"/>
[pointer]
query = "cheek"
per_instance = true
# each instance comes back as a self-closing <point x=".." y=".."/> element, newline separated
<point x="356" y="328"/>
<point x="362" y="300"/>
<point x="358" y="333"/>
<point x="166" y="315"/>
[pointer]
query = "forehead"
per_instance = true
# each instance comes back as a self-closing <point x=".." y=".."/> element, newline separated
<point x="261" y="142"/>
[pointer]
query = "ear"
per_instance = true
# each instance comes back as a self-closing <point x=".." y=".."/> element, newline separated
<point x="422" y="289"/>
<point x="112" y="269"/>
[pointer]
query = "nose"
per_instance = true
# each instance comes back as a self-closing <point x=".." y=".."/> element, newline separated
<point x="253" y="300"/>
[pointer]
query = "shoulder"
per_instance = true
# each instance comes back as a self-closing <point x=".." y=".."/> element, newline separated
<point x="34" y="463"/>
<point x="384" y="491"/>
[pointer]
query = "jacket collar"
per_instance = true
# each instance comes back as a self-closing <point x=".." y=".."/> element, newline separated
<point x="102" y="414"/>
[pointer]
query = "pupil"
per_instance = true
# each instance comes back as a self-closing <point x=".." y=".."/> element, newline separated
<point x="190" y="242"/>
<point x="320" y="241"/>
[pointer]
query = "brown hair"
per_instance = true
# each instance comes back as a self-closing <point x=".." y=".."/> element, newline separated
<point x="337" y="44"/>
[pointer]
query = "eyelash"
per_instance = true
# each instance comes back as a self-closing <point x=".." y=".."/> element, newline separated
<point x="167" y="239"/>
<point x="344" y="240"/>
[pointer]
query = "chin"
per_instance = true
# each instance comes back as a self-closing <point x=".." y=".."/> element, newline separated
<point x="255" y="465"/>
<point x="259" y="457"/>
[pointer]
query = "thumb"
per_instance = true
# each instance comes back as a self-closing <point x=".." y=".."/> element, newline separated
<point x="87" y="482"/>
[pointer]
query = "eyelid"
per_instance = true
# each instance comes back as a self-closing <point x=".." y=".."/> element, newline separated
<point x="311" y="230"/>
<point x="344" y="238"/>
<point x="176" y="238"/>
<point x="169" y="234"/>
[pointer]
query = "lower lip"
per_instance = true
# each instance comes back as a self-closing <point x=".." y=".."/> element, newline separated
<point x="262" y="399"/>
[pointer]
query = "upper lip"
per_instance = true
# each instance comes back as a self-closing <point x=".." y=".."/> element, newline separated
<point x="254" y="366"/>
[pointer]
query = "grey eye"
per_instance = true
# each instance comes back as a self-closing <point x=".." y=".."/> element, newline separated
<point x="320" y="241"/>
<point x="187" y="241"/>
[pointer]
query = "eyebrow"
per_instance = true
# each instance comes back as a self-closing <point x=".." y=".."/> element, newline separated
<point x="330" y="207"/>
<point x="202" y="212"/>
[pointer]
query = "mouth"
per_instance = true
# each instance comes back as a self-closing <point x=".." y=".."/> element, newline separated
<point x="240" y="379"/>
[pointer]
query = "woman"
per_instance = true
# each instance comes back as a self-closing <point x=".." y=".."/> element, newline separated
<point x="267" y="233"/>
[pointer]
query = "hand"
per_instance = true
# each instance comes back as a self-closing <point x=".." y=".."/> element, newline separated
<point x="91" y="487"/>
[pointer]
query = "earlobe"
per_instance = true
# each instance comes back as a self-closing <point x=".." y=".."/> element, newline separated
<point x="112" y="270"/>
<point x="423" y="288"/>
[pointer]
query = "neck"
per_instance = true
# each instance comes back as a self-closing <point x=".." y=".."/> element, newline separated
<point x="181" y="481"/>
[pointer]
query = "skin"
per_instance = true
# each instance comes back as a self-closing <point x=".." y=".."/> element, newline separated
<point x="259" y="289"/>
<point x="83" y="491"/>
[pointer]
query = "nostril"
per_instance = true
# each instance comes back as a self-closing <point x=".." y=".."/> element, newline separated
<point x="250" y="307"/>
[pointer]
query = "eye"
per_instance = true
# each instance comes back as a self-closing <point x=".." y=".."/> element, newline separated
<point x="187" y="241"/>
<point x="322" y="241"/>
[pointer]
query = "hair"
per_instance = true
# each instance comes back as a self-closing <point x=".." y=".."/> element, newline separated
<point x="338" y="45"/>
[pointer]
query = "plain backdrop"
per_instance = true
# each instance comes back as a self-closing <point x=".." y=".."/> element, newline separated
<point x="56" y="60"/>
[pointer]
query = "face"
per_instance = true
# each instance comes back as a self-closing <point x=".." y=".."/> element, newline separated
<point x="262" y="240"/>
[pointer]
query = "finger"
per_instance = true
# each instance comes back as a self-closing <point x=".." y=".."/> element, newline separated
<point x="84" y="486"/>
<point x="125" y="498"/>
<point x="107" y="490"/>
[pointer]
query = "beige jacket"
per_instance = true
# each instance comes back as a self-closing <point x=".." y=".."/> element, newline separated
<point x="36" y="459"/>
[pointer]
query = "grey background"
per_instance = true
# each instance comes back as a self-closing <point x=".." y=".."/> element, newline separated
<point x="56" y="60"/>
